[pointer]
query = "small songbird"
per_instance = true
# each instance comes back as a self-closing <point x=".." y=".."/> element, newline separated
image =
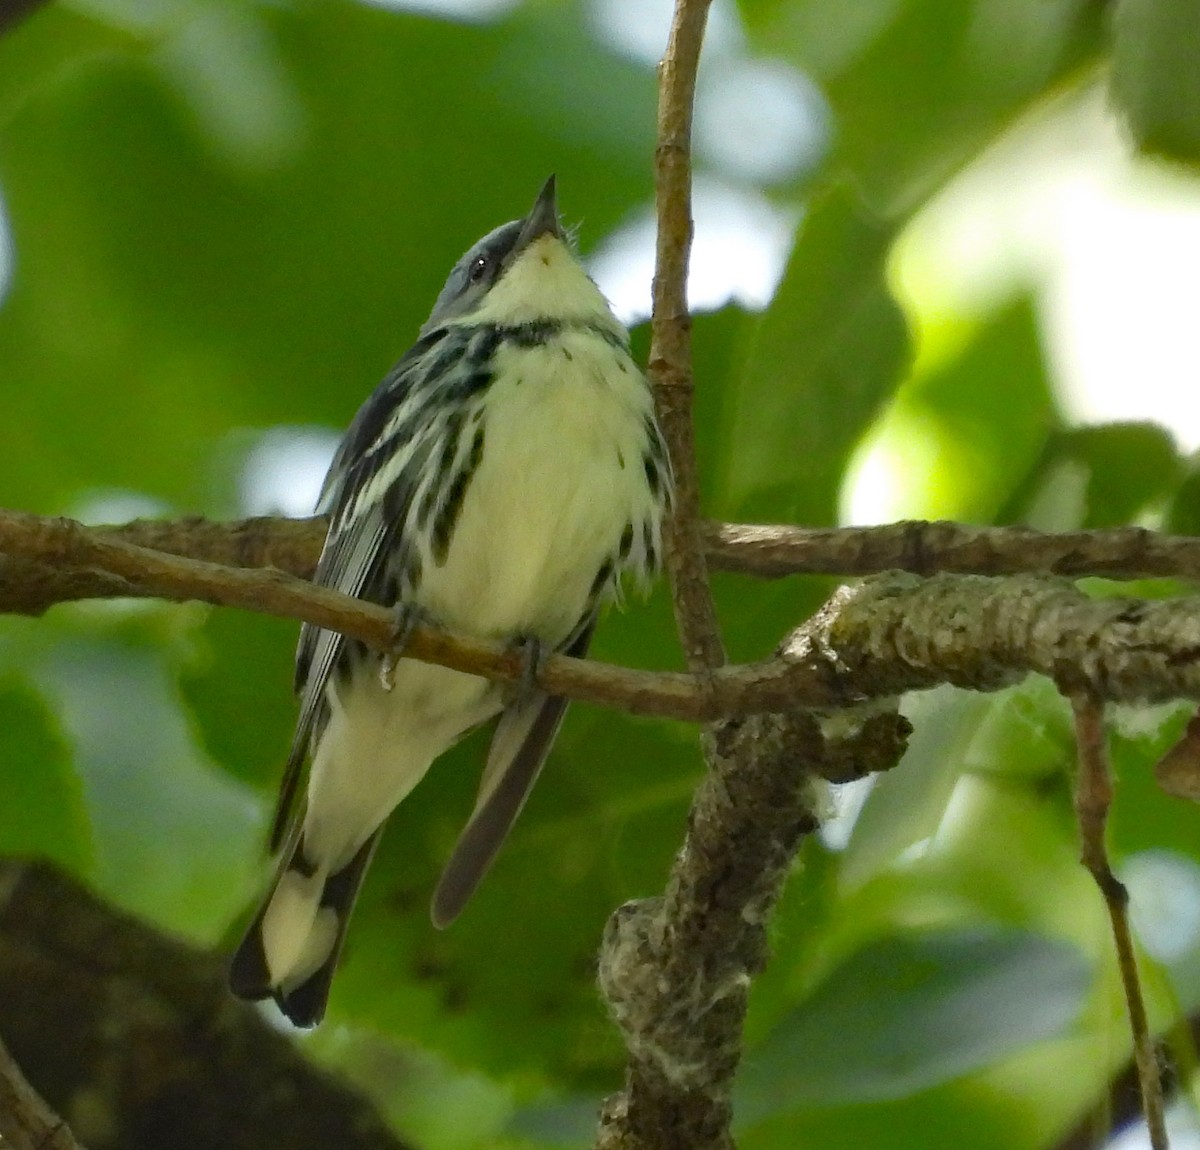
<point x="501" y="481"/>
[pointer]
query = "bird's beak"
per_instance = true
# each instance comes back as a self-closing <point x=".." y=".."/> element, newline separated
<point x="542" y="219"/>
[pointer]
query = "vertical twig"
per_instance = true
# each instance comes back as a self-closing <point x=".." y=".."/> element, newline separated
<point x="671" y="336"/>
<point x="673" y="971"/>
<point x="1093" y="798"/>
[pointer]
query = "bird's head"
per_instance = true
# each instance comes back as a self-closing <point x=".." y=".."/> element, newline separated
<point x="523" y="272"/>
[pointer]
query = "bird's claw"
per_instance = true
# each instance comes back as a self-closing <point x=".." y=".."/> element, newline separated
<point x="405" y="619"/>
<point x="532" y="652"/>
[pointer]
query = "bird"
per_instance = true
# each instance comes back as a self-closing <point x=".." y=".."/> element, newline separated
<point x="506" y="480"/>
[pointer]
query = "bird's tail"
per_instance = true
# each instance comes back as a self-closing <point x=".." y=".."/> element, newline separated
<point x="292" y="947"/>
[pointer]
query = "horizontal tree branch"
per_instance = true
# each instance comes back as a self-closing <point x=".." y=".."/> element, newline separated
<point x="764" y="550"/>
<point x="927" y="548"/>
<point x="135" y="1040"/>
<point x="891" y="634"/>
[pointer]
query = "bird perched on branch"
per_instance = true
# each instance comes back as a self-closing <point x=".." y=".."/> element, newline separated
<point x="500" y="481"/>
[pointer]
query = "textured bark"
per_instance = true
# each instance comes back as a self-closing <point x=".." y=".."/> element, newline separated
<point x="676" y="970"/>
<point x="134" y="1039"/>
<point x="26" y="1122"/>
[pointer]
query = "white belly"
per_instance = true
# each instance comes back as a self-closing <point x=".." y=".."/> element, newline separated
<point x="379" y="744"/>
<point x="561" y="475"/>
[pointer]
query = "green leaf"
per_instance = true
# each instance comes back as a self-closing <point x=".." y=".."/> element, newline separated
<point x="600" y="828"/>
<point x="1117" y="470"/>
<point x="983" y="419"/>
<point x="918" y="86"/>
<point x="826" y="354"/>
<point x="1144" y="817"/>
<point x="238" y="689"/>
<point x="46" y="44"/>
<point x="199" y="294"/>
<point x="907" y="804"/>
<point x="982" y="1115"/>
<point x="42" y="812"/>
<point x="908" y="1012"/>
<point x="175" y="839"/>
<point x="1183" y="515"/>
<point x="1155" y="77"/>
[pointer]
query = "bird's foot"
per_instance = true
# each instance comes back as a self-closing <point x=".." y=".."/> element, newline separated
<point x="531" y="651"/>
<point x="406" y="617"/>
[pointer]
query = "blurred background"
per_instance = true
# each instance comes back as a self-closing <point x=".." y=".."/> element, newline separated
<point x="947" y="264"/>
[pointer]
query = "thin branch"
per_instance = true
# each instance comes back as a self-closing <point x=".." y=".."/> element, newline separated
<point x="928" y="548"/>
<point x="1093" y="798"/>
<point x="65" y="547"/>
<point x="293" y="545"/>
<point x="891" y="634"/>
<point x="1121" y="1105"/>
<point x="26" y="1122"/>
<point x="670" y="364"/>
<point x="135" y="1037"/>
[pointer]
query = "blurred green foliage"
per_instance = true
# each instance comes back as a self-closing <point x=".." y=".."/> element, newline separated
<point x="226" y="218"/>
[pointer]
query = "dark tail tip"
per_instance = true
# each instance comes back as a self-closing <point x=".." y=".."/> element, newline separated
<point x="248" y="974"/>
<point x="305" y="1004"/>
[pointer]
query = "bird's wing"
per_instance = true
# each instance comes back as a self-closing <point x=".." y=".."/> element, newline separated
<point x="519" y="747"/>
<point x="381" y="451"/>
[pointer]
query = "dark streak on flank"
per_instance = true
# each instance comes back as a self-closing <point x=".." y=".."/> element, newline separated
<point x="653" y="476"/>
<point x="412" y="569"/>
<point x="484" y="342"/>
<point x="602" y="578"/>
<point x="471" y="385"/>
<point x="443" y="529"/>
<point x="626" y="542"/>
<point x="426" y="506"/>
<point x="451" y="435"/>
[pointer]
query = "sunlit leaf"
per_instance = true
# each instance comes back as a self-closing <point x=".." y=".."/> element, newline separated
<point x="902" y="128"/>
<point x="983" y="419"/>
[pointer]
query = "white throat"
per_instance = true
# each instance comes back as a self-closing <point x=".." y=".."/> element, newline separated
<point x="545" y="282"/>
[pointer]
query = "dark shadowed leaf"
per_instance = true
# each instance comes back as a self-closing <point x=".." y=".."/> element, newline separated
<point x="1114" y="471"/>
<point x="908" y="1012"/>
<point x="1183" y="514"/>
<point x="239" y="691"/>
<point x="1155" y="79"/>
<point x="826" y="354"/>
<point x="42" y="811"/>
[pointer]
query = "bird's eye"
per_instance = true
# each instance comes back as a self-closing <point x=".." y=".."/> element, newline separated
<point x="479" y="266"/>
